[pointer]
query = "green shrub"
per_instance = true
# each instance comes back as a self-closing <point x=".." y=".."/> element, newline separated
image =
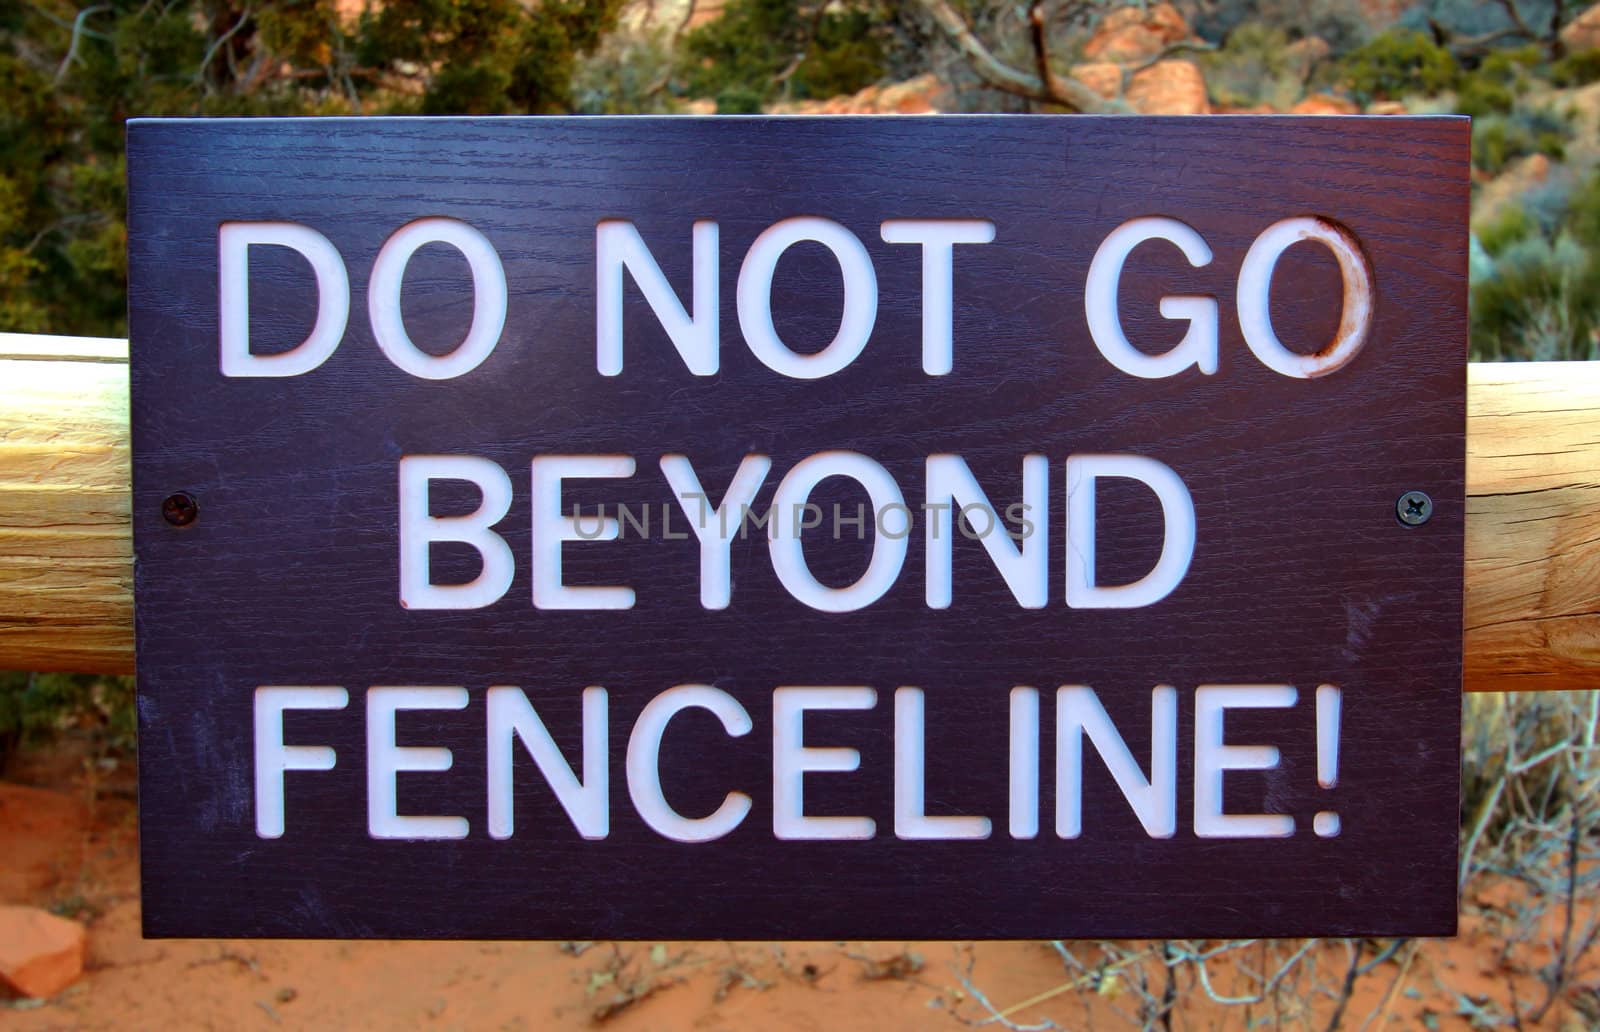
<point x="846" y="55"/>
<point x="1480" y="97"/>
<point x="1252" y="68"/>
<point x="1535" y="274"/>
<point x="1538" y="302"/>
<point x="33" y="707"/>
<point x="1497" y="140"/>
<point x="1341" y="22"/>
<point x="62" y="237"/>
<point x="738" y="100"/>
<point x="1513" y="225"/>
<point x="1579" y="69"/>
<point x="1495" y="143"/>
<point x="1582" y="215"/>
<point x="1511" y="65"/>
<point x="628" y="75"/>
<point x="774" y="50"/>
<point x="1551" y="144"/>
<point x="1398" y="63"/>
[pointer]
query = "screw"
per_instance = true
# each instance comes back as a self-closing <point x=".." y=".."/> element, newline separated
<point x="180" y="509"/>
<point x="1414" y="508"/>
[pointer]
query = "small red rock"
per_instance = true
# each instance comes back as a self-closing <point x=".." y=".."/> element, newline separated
<point x="1171" y="87"/>
<point x="1130" y="34"/>
<point x="1583" y="32"/>
<point x="40" y="953"/>
<point x="1325" y="104"/>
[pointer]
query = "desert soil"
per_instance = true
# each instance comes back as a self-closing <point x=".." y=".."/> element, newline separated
<point x="68" y="841"/>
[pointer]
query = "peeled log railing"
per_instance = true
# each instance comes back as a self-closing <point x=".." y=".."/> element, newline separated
<point x="66" y="551"/>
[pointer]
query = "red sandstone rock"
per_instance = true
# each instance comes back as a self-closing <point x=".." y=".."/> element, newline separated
<point x="1104" y="77"/>
<point x="40" y="953"/>
<point x="1171" y="87"/>
<point x="1132" y="34"/>
<point x="1583" y="32"/>
<point x="1325" y="104"/>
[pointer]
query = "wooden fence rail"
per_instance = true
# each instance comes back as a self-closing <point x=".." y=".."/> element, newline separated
<point x="66" y="555"/>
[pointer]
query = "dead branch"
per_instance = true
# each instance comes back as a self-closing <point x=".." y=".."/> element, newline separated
<point x="1045" y="87"/>
<point x="220" y="42"/>
<point x="1477" y="46"/>
<point x="1193" y="46"/>
<point x="1558" y="14"/>
<point x="78" y="32"/>
<point x="1036" y="28"/>
<point x="1515" y="14"/>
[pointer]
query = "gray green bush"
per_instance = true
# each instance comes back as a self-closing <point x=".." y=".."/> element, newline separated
<point x="1499" y="139"/>
<point x="1397" y="64"/>
<point x="1536" y="282"/>
<point x="1253" y="66"/>
<point x="35" y="707"/>
<point x="628" y="74"/>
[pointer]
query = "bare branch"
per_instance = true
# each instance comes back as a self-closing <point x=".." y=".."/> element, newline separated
<point x="999" y="1016"/>
<point x="1474" y="46"/>
<point x="1515" y="15"/>
<point x="1048" y="88"/>
<point x="77" y="34"/>
<point x="793" y="66"/>
<point x="1480" y="821"/>
<point x="1036" y="29"/>
<point x="1558" y="14"/>
<point x="220" y="42"/>
<point x="683" y="25"/>
<point x="1179" y="955"/>
<point x="1561" y="968"/>
<point x="1349" y="987"/>
<point x="1197" y="46"/>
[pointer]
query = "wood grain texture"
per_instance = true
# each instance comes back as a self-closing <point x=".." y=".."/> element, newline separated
<point x="66" y="552"/>
<point x="1533" y="516"/>
<point x="1533" y="526"/>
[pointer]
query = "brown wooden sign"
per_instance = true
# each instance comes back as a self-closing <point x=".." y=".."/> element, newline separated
<point x="835" y="528"/>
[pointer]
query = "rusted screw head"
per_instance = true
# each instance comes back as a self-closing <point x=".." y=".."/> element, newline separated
<point x="1414" y="508"/>
<point x="180" y="509"/>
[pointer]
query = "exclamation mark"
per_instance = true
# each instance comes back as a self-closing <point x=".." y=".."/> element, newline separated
<point x="1326" y="823"/>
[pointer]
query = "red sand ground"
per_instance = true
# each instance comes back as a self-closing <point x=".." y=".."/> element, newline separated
<point x="72" y="846"/>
